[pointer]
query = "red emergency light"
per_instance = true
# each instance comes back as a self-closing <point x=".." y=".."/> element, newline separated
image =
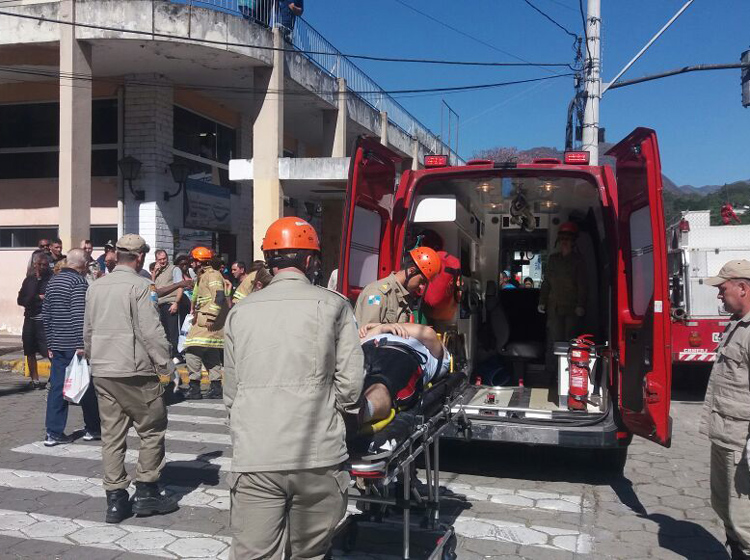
<point x="577" y="158"/>
<point x="436" y="161"/>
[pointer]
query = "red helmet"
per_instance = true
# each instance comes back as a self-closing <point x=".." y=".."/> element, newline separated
<point x="202" y="254"/>
<point x="427" y="260"/>
<point x="568" y="227"/>
<point x="290" y="233"/>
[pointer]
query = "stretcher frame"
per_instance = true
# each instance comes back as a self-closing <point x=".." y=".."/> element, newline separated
<point x="378" y="476"/>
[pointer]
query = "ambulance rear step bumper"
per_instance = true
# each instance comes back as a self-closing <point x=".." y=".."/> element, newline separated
<point x="600" y="435"/>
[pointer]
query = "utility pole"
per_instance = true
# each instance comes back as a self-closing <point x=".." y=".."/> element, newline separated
<point x="592" y="81"/>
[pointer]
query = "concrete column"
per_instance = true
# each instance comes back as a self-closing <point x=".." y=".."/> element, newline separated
<point x="342" y="120"/>
<point x="243" y="212"/>
<point x="148" y="137"/>
<point x="75" y="133"/>
<point x="268" y="145"/>
<point x="330" y="240"/>
<point x="415" y="153"/>
<point x="384" y="128"/>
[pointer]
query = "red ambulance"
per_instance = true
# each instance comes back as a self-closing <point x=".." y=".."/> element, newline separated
<point x="496" y="216"/>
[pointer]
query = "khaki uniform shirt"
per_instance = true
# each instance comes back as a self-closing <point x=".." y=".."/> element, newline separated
<point x="210" y="311"/>
<point x="292" y="364"/>
<point x="383" y="301"/>
<point x="565" y="284"/>
<point x="245" y="287"/>
<point x="726" y="410"/>
<point x="122" y="333"/>
<point x="164" y="278"/>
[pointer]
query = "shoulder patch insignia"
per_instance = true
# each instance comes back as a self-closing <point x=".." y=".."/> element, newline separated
<point x="373" y="300"/>
<point x="385" y="288"/>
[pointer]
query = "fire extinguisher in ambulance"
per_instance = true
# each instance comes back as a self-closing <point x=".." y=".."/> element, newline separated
<point x="579" y="355"/>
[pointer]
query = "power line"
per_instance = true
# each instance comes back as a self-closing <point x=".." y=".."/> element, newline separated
<point x="291" y="50"/>
<point x="239" y="89"/>
<point x="585" y="30"/>
<point x="549" y="18"/>
<point x="459" y="31"/>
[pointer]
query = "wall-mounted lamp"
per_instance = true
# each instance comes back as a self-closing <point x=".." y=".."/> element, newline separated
<point x="180" y="172"/>
<point x="484" y="187"/>
<point x="547" y="207"/>
<point x="546" y="189"/>
<point x="129" y="168"/>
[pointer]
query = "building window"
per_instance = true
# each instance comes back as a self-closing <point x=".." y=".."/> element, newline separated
<point x="205" y="145"/>
<point x="30" y="137"/>
<point x="25" y="237"/>
<point x="28" y="237"/>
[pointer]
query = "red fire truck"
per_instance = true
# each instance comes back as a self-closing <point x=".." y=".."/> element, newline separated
<point x="496" y="216"/>
<point x="698" y="250"/>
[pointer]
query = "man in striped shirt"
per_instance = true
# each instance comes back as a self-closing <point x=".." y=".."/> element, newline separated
<point x="63" y="311"/>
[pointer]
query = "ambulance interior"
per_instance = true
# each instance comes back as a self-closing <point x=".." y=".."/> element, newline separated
<point x="509" y="222"/>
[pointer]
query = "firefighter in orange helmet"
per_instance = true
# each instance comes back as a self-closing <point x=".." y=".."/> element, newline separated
<point x="293" y="363"/>
<point x="393" y="298"/>
<point x="205" y="340"/>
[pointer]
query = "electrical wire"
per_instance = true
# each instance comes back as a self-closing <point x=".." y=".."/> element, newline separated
<point x="459" y="31"/>
<point x="585" y="30"/>
<point x="290" y="50"/>
<point x="549" y="18"/>
<point x="239" y="89"/>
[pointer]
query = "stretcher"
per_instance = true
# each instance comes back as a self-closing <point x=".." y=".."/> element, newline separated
<point x="388" y="486"/>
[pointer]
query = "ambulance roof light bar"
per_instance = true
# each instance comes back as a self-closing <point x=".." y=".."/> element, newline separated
<point x="577" y="158"/>
<point x="436" y="161"/>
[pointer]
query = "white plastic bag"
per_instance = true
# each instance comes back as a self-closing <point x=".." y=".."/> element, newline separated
<point x="77" y="379"/>
<point x="186" y="324"/>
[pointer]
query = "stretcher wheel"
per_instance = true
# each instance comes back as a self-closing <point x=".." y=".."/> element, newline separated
<point x="449" y="551"/>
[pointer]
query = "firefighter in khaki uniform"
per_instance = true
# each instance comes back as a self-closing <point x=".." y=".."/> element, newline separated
<point x="256" y="274"/>
<point x="127" y="348"/>
<point x="293" y="366"/>
<point x="390" y="299"/>
<point x="726" y="411"/>
<point x="205" y="340"/>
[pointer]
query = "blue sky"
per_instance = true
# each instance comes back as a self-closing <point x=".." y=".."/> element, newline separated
<point x="704" y="132"/>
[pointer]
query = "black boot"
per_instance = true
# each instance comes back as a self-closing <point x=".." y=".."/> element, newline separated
<point x="194" y="392"/>
<point x="149" y="500"/>
<point x="215" y="392"/>
<point x="118" y="506"/>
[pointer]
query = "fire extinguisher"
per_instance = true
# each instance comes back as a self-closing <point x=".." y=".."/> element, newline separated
<point x="579" y="354"/>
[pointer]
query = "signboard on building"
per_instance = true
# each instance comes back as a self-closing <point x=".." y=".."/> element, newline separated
<point x="209" y="206"/>
<point x="185" y="240"/>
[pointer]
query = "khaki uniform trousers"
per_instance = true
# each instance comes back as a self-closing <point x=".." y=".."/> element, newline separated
<point x="266" y="507"/>
<point x="730" y="493"/>
<point x="125" y="402"/>
<point x="198" y="356"/>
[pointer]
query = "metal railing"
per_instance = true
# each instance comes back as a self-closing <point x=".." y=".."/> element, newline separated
<point x="325" y="56"/>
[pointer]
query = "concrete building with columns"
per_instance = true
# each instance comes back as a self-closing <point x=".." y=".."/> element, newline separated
<point x="183" y="88"/>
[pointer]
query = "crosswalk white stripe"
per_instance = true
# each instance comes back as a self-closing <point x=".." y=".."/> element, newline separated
<point x="199" y="405"/>
<point x="217" y="498"/>
<point x="93" y="453"/>
<point x="197" y="420"/>
<point x="193" y="437"/>
<point x="465" y="525"/>
<point x="164" y="543"/>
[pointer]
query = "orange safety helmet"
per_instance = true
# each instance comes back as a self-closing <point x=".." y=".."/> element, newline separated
<point x="202" y="254"/>
<point x="568" y="227"/>
<point x="290" y="233"/>
<point x="427" y="260"/>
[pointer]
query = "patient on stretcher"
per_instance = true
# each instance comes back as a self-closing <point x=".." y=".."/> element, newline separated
<point x="400" y="361"/>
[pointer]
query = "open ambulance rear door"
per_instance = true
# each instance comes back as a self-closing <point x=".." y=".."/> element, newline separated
<point x="366" y="240"/>
<point x="645" y="361"/>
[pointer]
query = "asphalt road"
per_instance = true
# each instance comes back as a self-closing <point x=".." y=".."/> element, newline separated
<point x="504" y="501"/>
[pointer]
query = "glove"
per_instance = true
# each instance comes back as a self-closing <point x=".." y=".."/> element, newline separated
<point x="580" y="311"/>
<point x="542" y="308"/>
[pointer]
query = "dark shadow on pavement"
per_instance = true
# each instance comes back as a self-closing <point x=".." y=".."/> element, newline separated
<point x="685" y="538"/>
<point x="182" y="477"/>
